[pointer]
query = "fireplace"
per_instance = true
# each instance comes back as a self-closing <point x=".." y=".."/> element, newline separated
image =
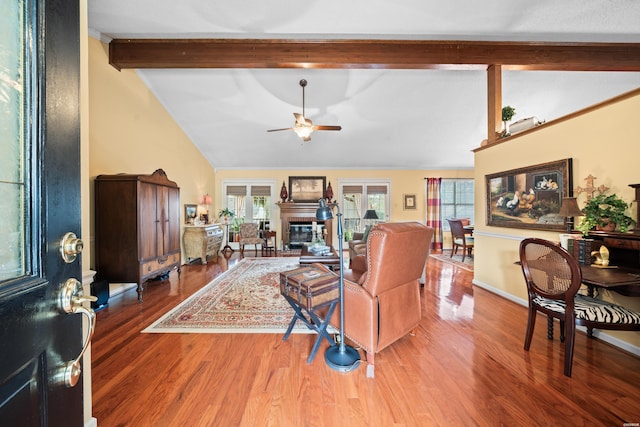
<point x="296" y="220"/>
<point x="299" y="234"/>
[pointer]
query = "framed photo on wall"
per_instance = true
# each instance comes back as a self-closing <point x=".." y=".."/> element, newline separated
<point x="307" y="188"/>
<point x="529" y="197"/>
<point x="409" y="202"/>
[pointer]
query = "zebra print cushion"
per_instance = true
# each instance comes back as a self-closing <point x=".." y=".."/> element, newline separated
<point x="593" y="310"/>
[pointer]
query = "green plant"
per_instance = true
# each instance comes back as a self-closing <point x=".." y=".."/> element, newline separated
<point x="226" y="212"/>
<point x="507" y="113"/>
<point x="235" y="224"/>
<point x="603" y="209"/>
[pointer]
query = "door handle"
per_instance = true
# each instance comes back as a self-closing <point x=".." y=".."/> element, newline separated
<point x="71" y="301"/>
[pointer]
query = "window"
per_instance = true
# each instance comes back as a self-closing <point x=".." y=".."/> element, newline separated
<point x="360" y="196"/>
<point x="250" y="201"/>
<point x="456" y="200"/>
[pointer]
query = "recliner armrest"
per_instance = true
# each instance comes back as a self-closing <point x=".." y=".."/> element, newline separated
<point x="359" y="263"/>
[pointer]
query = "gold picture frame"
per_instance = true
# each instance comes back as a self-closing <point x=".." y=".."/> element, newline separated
<point x="190" y="213"/>
<point x="409" y="202"/>
<point x="307" y="189"/>
<point x="530" y="197"/>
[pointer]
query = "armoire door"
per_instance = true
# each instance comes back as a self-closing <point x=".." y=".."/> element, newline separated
<point x="174" y="220"/>
<point x="162" y="220"/>
<point x="148" y="221"/>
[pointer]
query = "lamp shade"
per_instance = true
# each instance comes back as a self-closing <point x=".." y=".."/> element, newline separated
<point x="323" y="212"/>
<point x="569" y="207"/>
<point x="370" y="214"/>
<point x="206" y="200"/>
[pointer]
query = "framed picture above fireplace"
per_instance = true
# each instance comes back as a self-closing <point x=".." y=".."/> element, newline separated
<point x="307" y="189"/>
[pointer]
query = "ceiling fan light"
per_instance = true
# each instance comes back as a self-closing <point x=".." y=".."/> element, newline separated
<point x="303" y="132"/>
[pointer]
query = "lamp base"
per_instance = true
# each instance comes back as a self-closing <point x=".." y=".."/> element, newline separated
<point x="345" y="361"/>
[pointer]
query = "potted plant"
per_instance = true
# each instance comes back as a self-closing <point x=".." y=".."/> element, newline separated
<point x="507" y="114"/>
<point x="605" y="212"/>
<point x="226" y="214"/>
<point x="235" y="228"/>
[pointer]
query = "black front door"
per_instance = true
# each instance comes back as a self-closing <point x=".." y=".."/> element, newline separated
<point x="39" y="205"/>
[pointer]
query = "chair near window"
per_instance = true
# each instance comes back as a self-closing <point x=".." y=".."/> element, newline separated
<point x="269" y="242"/>
<point x="553" y="278"/>
<point x="460" y="238"/>
<point x="249" y="235"/>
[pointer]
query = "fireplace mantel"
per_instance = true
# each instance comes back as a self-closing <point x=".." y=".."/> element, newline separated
<point x="296" y="212"/>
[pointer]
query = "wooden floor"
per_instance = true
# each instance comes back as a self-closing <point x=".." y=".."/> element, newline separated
<point x="465" y="366"/>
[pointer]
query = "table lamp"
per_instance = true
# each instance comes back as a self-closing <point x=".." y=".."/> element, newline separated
<point x="370" y="214"/>
<point x="569" y="209"/>
<point x="339" y="357"/>
<point x="206" y="200"/>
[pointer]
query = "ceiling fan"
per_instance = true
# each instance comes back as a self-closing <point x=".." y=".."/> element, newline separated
<point x="303" y="126"/>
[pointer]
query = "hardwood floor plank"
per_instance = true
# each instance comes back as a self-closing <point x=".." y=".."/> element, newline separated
<point x="465" y="366"/>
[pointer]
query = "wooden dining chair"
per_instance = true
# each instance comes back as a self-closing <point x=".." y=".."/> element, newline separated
<point x="553" y="278"/>
<point x="459" y="238"/>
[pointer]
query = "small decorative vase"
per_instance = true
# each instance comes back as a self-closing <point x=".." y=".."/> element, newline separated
<point x="328" y="194"/>
<point x="283" y="193"/>
<point x="506" y="128"/>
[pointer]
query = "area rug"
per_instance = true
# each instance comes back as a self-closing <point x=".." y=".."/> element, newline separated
<point x="456" y="260"/>
<point x="244" y="299"/>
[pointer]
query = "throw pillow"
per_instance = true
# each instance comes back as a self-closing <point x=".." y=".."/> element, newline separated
<point x="365" y="236"/>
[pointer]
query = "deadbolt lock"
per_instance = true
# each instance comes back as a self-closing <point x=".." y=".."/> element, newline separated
<point x="70" y="247"/>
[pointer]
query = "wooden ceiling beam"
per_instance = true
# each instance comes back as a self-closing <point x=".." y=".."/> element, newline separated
<point x="389" y="54"/>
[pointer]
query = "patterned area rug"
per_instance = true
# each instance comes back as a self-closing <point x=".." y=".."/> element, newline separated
<point x="244" y="299"/>
<point x="456" y="260"/>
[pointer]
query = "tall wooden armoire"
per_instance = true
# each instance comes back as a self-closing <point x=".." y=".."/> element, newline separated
<point x="137" y="227"/>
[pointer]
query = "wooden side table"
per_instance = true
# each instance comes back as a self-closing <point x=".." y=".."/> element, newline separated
<point x="270" y="242"/>
<point x="226" y="244"/>
<point x="308" y="289"/>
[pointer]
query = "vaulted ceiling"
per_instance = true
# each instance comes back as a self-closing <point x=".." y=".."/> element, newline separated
<point x="418" y="107"/>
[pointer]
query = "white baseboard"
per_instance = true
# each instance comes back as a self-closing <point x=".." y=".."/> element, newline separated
<point x="118" y="288"/>
<point x="616" y="342"/>
<point x="92" y="422"/>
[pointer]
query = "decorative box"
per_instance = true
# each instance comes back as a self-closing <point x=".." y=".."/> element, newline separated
<point x="310" y="287"/>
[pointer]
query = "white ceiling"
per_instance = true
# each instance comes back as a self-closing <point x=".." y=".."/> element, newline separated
<point x="391" y="119"/>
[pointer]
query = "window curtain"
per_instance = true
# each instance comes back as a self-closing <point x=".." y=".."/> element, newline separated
<point x="240" y="191"/>
<point x="357" y="201"/>
<point x="433" y="211"/>
<point x="239" y="207"/>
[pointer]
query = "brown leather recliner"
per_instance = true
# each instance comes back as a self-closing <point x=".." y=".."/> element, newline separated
<point x="384" y="305"/>
<point x="357" y="246"/>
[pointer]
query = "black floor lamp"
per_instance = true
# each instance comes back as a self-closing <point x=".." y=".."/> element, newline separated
<point x="340" y="357"/>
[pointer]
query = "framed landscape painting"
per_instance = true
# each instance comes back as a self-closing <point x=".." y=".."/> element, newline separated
<point x="529" y="197"/>
<point x="190" y="213"/>
<point x="307" y="188"/>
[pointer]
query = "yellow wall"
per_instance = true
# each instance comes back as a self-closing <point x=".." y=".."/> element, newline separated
<point x="603" y="142"/>
<point x="402" y="182"/>
<point x="131" y="132"/>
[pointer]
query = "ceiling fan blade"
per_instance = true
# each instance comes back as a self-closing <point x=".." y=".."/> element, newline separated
<point x="276" y="130"/>
<point x="327" y="127"/>
<point x="300" y="120"/>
